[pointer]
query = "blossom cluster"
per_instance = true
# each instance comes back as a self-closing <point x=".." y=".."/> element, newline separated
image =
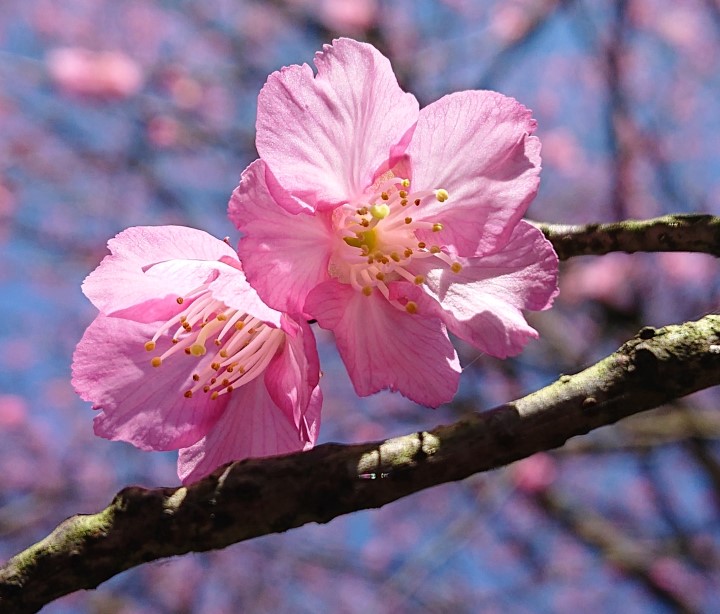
<point x="388" y="224"/>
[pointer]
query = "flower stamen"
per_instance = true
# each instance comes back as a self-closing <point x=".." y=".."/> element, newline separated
<point x="233" y="347"/>
<point x="380" y="242"/>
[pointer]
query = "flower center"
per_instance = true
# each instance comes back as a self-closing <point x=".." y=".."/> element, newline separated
<point x="231" y="348"/>
<point x="380" y="240"/>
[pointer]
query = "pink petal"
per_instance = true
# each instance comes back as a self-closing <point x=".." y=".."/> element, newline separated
<point x="140" y="404"/>
<point x="475" y="145"/>
<point x="252" y="426"/>
<point x="482" y="303"/>
<point x="385" y="347"/>
<point x="325" y="136"/>
<point x="232" y="288"/>
<point x="284" y="255"/>
<point x="294" y="373"/>
<point x="149" y="267"/>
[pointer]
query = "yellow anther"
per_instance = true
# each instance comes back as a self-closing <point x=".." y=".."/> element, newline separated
<point x="442" y="195"/>
<point x="395" y="256"/>
<point x="437" y="227"/>
<point x="434" y="249"/>
<point x="405" y="183"/>
<point x="180" y="300"/>
<point x="456" y="267"/>
<point x="385" y="196"/>
<point x="370" y="260"/>
<point x="421" y="245"/>
<point x="214" y="396"/>
<point x="380" y="212"/>
<point x="407" y="253"/>
<point x="419" y="279"/>
<point x="380" y="276"/>
<point x="403" y="202"/>
<point x="239" y="325"/>
<point x="411" y="307"/>
<point x="150" y="346"/>
<point x="221" y="317"/>
<point x="362" y="211"/>
<point x="206" y="388"/>
<point x="408" y="220"/>
<point x="188" y="394"/>
<point x="156" y="362"/>
<point x="402" y="194"/>
<point x="223" y="353"/>
<point x="367" y="290"/>
<point x="197" y="349"/>
<point x="215" y="366"/>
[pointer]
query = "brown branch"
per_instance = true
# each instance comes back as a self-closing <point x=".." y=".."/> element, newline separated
<point x="670" y="233"/>
<point x="260" y="496"/>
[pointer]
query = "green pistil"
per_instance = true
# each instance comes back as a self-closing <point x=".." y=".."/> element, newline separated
<point x="367" y="239"/>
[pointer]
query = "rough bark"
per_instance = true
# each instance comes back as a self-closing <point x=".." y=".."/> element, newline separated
<point x="670" y="233"/>
<point x="260" y="496"/>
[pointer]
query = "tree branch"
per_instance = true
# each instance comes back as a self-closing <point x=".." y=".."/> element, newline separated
<point x="670" y="233"/>
<point x="260" y="496"/>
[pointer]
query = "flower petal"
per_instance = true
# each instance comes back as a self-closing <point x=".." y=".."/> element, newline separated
<point x="252" y="426"/>
<point x="294" y="373"/>
<point x="232" y="288"/>
<point x="149" y="267"/>
<point x="284" y="255"/>
<point x="140" y="404"/>
<point x="325" y="136"/>
<point x="482" y="303"/>
<point x="385" y="347"/>
<point x="475" y="145"/>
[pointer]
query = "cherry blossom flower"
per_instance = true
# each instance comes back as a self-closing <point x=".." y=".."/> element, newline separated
<point x="390" y="224"/>
<point x="184" y="355"/>
<point x="110" y="74"/>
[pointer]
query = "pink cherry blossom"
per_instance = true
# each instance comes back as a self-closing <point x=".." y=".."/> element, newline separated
<point x="111" y="74"/>
<point x="185" y="355"/>
<point x="392" y="225"/>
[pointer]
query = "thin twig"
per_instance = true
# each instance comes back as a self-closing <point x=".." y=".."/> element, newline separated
<point x="670" y="233"/>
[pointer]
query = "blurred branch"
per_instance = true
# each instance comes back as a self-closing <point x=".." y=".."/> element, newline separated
<point x="619" y="549"/>
<point x="670" y="233"/>
<point x="653" y="430"/>
<point x="261" y="496"/>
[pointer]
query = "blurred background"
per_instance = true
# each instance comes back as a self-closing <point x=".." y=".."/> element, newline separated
<point x="115" y="114"/>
